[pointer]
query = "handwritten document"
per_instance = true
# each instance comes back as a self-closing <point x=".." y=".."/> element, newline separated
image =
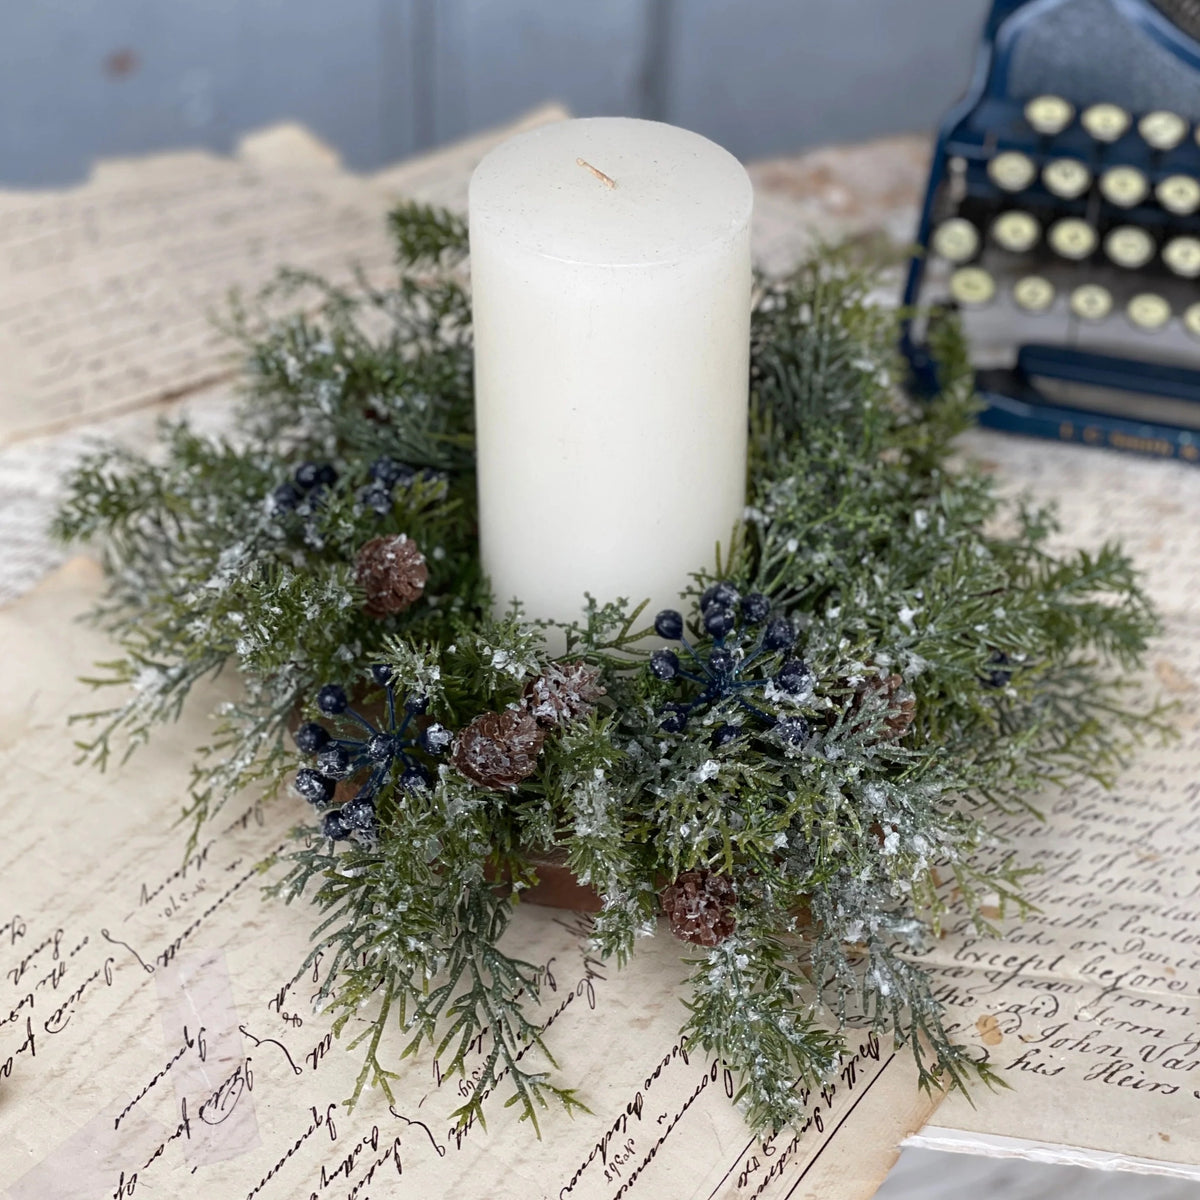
<point x="1091" y="1005"/>
<point x="158" y="1038"/>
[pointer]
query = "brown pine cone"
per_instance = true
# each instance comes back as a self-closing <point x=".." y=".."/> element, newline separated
<point x="562" y="692"/>
<point x="392" y="572"/>
<point x="699" y="906"/>
<point x="498" y="750"/>
<point x="901" y="703"/>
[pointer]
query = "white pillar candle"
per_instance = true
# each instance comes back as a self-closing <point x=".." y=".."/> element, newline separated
<point x="610" y="266"/>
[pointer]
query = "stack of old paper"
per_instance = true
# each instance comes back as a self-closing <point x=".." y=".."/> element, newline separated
<point x="156" y="1036"/>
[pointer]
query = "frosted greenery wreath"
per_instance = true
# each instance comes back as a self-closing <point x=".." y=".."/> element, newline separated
<point x="887" y="657"/>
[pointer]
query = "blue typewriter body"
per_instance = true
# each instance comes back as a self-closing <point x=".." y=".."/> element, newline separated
<point x="1062" y="225"/>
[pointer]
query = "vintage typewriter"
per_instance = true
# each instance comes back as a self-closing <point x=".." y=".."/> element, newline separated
<point x="1062" y="223"/>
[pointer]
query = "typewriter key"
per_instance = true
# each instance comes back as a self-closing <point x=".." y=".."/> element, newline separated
<point x="1191" y="320"/>
<point x="956" y="240"/>
<point x="1148" y="310"/>
<point x="1129" y="246"/>
<point x="1016" y="232"/>
<point x="1091" y="302"/>
<point x="1179" y="194"/>
<point x="1162" y="130"/>
<point x="1012" y="171"/>
<point x="1124" y="186"/>
<point x="1072" y="238"/>
<point x="1049" y="114"/>
<point x="1066" y="177"/>
<point x="1182" y="256"/>
<point x="1033" y="293"/>
<point x="972" y="285"/>
<point x="1105" y="122"/>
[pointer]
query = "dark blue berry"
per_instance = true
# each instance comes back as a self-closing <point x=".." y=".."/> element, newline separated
<point x="430" y="475"/>
<point x="998" y="678"/>
<point x="334" y="761"/>
<point x="331" y="700"/>
<point x="718" y="621"/>
<point x="664" y="664"/>
<point x="359" y="814"/>
<point x="435" y="739"/>
<point x="724" y="734"/>
<point x="792" y="731"/>
<point x="310" y="737"/>
<point x="669" y="624"/>
<point x="381" y="747"/>
<point x="779" y="634"/>
<point x="334" y="825"/>
<point x="794" y="676"/>
<point x="327" y="475"/>
<point x="721" y="662"/>
<point x="724" y="594"/>
<point x="382" y="674"/>
<point x="417" y="704"/>
<point x="674" y="718"/>
<point x="376" y="497"/>
<point x="285" y="497"/>
<point x="755" y="608"/>
<point x="315" y="498"/>
<point x="314" y="787"/>
<point x="390" y="472"/>
<point x="415" y="778"/>
<point x="306" y="474"/>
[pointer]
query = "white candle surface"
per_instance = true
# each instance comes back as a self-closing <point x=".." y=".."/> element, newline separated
<point x="610" y="267"/>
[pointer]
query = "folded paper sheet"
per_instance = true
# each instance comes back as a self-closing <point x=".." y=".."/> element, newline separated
<point x="157" y="1035"/>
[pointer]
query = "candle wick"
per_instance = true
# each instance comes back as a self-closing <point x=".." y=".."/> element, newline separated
<point x="607" y="180"/>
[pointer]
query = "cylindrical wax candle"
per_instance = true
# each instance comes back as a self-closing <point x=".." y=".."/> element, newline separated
<point x="610" y="265"/>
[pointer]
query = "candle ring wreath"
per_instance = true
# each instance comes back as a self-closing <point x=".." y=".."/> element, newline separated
<point x="887" y="657"/>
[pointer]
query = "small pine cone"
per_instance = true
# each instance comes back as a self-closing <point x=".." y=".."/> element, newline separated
<point x="699" y="906"/>
<point x="562" y="692"/>
<point x="901" y="703"/>
<point x="498" y="750"/>
<point x="392" y="572"/>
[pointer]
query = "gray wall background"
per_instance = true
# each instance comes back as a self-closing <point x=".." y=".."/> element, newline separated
<point x="380" y="79"/>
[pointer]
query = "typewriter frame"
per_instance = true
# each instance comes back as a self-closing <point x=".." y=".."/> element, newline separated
<point x="1011" y="401"/>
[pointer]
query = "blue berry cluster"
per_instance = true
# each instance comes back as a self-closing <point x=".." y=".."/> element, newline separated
<point x="380" y="751"/>
<point x="306" y="488"/>
<point x="744" y="633"/>
<point x="386" y="475"/>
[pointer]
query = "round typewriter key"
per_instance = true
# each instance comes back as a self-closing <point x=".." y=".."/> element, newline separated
<point x="1179" y="194"/>
<point x="1129" y="246"/>
<point x="956" y="240"/>
<point x="1149" y="311"/>
<point x="1049" y="114"/>
<point x="1072" y="238"/>
<point x="1124" y="186"/>
<point x="1182" y="256"/>
<point x="1033" y="293"/>
<point x="1162" y="130"/>
<point x="1105" y="122"/>
<point x="1091" y="302"/>
<point x="1191" y="320"/>
<point x="972" y="285"/>
<point x="1012" y="171"/>
<point x="1016" y="232"/>
<point x="1066" y="177"/>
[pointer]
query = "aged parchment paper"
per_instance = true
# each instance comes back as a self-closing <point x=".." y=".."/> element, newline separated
<point x="1101" y="983"/>
<point x="157" y="1038"/>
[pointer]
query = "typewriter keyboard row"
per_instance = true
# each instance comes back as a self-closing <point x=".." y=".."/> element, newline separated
<point x="959" y="241"/>
<point x="1050" y="116"/>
